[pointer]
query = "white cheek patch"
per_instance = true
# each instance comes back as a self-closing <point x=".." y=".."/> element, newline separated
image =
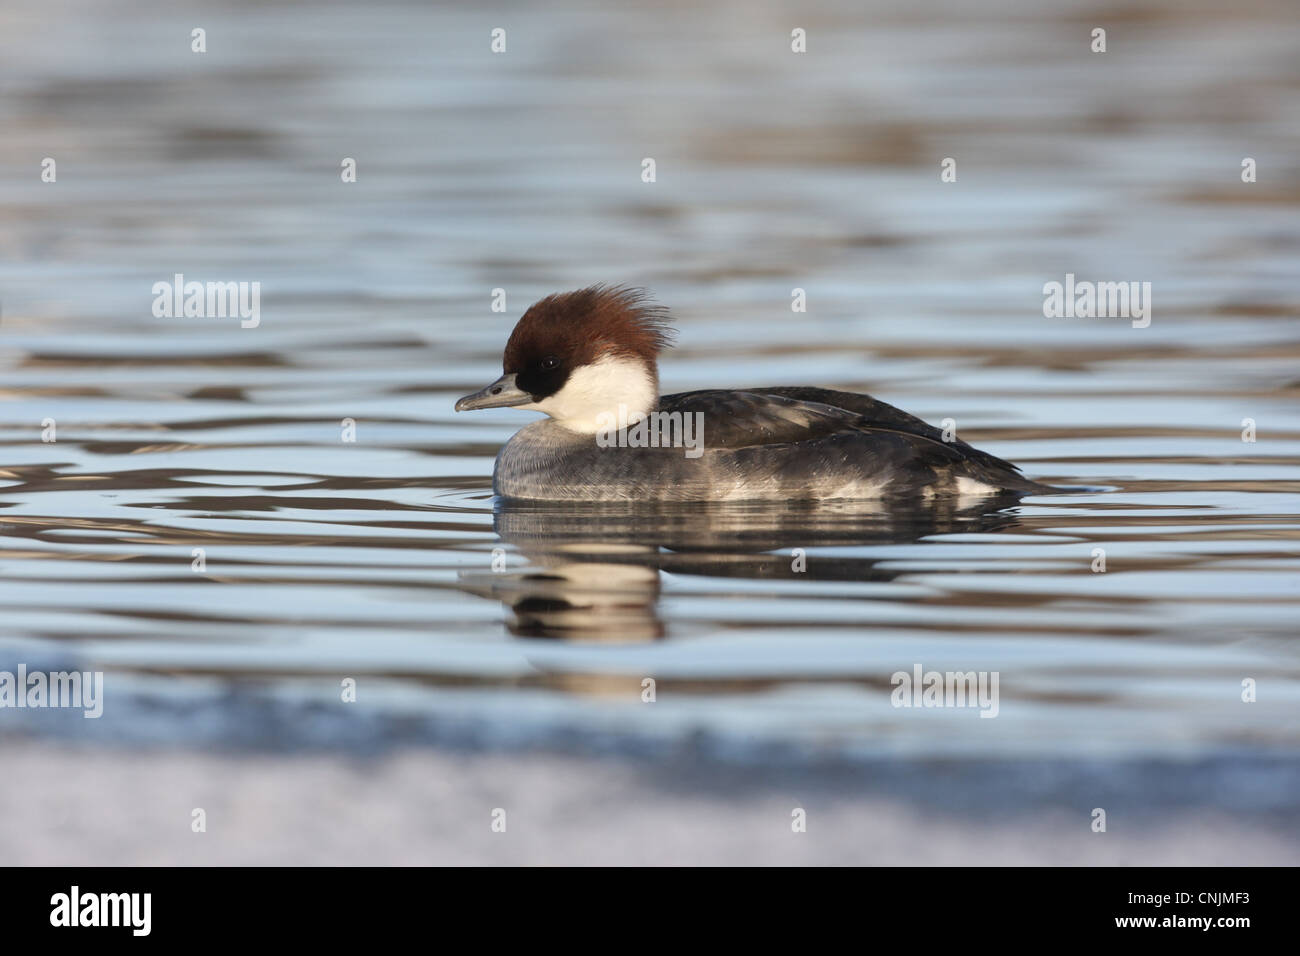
<point x="600" y="389"/>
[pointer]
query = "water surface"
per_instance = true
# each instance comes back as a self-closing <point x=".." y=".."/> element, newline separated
<point x="385" y="559"/>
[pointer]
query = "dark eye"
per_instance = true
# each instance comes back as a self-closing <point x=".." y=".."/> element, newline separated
<point x="550" y="362"/>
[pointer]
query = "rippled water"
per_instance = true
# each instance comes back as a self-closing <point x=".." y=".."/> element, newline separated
<point x="383" y="558"/>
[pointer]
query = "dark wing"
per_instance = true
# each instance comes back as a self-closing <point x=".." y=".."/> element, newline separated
<point x="764" y="416"/>
<point x="742" y="419"/>
<point x="882" y="416"/>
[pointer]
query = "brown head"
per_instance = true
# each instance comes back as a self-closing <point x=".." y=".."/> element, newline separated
<point x="577" y="354"/>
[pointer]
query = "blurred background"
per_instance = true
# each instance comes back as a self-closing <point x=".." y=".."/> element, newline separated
<point x="520" y="686"/>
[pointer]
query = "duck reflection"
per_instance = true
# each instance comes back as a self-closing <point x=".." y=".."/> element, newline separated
<point x="595" y="568"/>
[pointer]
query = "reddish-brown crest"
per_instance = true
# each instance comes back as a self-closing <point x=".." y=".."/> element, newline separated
<point x="585" y="325"/>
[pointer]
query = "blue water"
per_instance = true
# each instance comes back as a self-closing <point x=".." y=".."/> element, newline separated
<point x="373" y="559"/>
